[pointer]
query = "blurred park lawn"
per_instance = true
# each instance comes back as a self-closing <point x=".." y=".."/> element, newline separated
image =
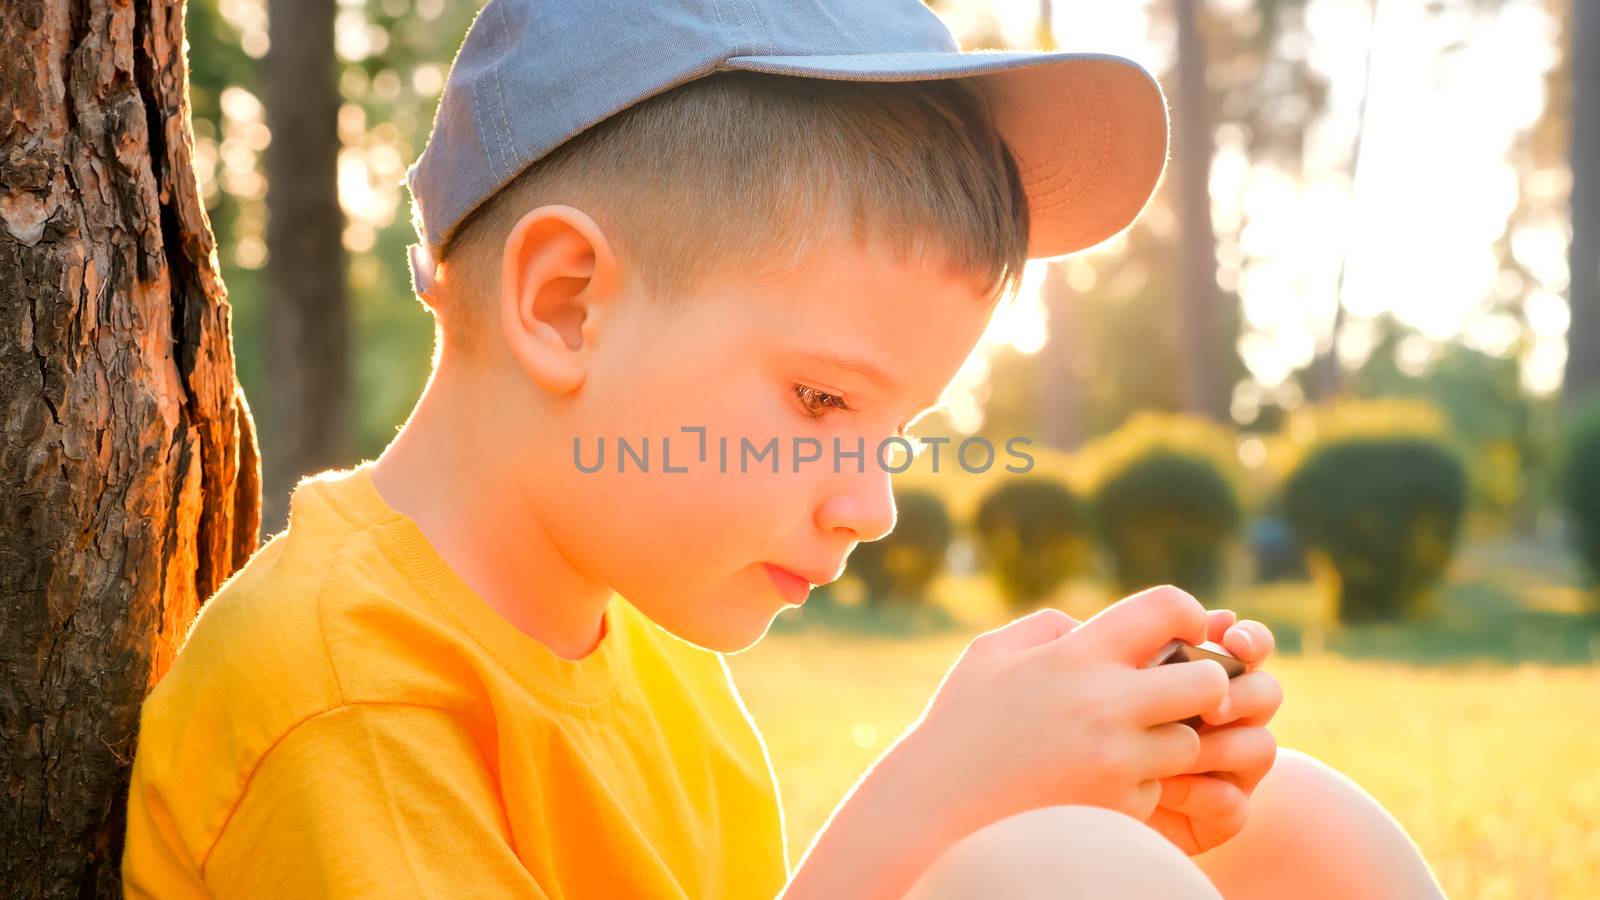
<point x="1477" y="730"/>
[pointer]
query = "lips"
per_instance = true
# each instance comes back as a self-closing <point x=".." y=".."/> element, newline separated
<point x="795" y="587"/>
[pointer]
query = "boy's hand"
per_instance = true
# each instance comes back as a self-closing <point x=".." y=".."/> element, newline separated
<point x="1046" y="710"/>
<point x="1208" y="805"/>
<point x="1042" y="711"/>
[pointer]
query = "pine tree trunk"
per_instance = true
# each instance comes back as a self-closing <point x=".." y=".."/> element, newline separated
<point x="1583" y="334"/>
<point x="1061" y="389"/>
<point x="129" y="486"/>
<point x="308" y="341"/>
<point x="1205" y="391"/>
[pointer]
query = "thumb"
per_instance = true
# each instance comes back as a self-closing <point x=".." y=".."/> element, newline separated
<point x="1038" y="627"/>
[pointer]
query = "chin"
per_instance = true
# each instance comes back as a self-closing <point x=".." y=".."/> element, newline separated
<point x="724" y="628"/>
<point x="735" y="636"/>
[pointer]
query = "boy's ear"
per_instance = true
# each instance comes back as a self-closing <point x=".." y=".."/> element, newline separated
<point x="558" y="276"/>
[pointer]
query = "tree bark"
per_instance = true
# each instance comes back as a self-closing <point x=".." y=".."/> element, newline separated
<point x="1205" y="390"/>
<point x="1583" y="331"/>
<point x="309" y="343"/>
<point x="129" y="484"/>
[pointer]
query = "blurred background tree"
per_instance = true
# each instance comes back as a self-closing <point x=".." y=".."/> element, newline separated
<point x="1379" y="516"/>
<point x="1580" y="493"/>
<point x="1198" y="308"/>
<point x="388" y="61"/>
<point x="899" y="568"/>
<point x="1583" y="350"/>
<point x="308" y="329"/>
<point x="1165" y="497"/>
<point x="1036" y="534"/>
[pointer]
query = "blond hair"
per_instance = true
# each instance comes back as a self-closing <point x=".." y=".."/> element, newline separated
<point x="739" y="172"/>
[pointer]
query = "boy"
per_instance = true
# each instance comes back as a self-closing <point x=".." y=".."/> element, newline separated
<point x="488" y="665"/>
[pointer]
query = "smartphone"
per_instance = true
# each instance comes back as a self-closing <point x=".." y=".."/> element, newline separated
<point x="1177" y="650"/>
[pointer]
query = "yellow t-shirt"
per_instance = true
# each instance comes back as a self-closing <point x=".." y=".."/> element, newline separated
<point x="346" y="717"/>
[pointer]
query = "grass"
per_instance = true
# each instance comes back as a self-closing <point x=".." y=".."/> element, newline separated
<point x="1477" y="729"/>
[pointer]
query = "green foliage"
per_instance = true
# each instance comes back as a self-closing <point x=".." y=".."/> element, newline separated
<point x="1167" y="516"/>
<point x="1580" y="493"/>
<point x="1123" y="300"/>
<point x="1495" y="423"/>
<point x="1312" y="427"/>
<point x="1165" y="498"/>
<point x="1036" y="534"/>
<point x="1381" y="516"/>
<point x="898" y="568"/>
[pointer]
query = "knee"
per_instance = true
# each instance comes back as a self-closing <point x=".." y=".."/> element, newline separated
<point x="1303" y="787"/>
<point x="1312" y="824"/>
<point x="1304" y="801"/>
<point x="1061" y="851"/>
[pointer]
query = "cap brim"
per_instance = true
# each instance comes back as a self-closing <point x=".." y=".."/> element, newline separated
<point x="1088" y="130"/>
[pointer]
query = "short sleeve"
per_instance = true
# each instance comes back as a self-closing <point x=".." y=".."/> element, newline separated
<point x="369" y="800"/>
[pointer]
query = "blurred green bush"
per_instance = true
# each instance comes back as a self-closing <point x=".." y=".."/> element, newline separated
<point x="1497" y="426"/>
<point x="1036" y="533"/>
<point x="898" y="568"/>
<point x="1379" y="517"/>
<point x="1580" y="487"/>
<point x="1165" y="500"/>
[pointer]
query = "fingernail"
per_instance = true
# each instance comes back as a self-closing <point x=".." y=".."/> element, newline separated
<point x="1225" y="708"/>
<point x="1244" y="638"/>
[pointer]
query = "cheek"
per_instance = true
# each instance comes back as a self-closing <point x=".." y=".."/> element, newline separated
<point x="695" y="527"/>
<point x="691" y="413"/>
<point x="692" y="526"/>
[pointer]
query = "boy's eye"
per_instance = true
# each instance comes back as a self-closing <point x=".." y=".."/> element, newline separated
<point x="818" y="404"/>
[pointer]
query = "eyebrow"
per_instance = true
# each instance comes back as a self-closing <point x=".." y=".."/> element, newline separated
<point x="867" y="369"/>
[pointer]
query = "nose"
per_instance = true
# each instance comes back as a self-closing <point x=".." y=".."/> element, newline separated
<point x="861" y="504"/>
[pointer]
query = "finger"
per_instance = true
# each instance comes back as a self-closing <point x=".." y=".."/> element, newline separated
<point x="1249" y="640"/>
<point x="1218" y="621"/>
<point x="1206" y="799"/>
<point x="1038" y="627"/>
<point x="1134" y="627"/>
<point x="1253" y="699"/>
<point x="1146" y="797"/>
<point x="1166" y="750"/>
<point x="1243" y="755"/>
<point x="1176" y="691"/>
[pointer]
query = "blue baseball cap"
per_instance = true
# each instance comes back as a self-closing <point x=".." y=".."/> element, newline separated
<point x="1088" y="130"/>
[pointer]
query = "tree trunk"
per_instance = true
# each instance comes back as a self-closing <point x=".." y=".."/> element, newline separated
<point x="1205" y="392"/>
<point x="128" y="474"/>
<point x="1583" y="332"/>
<point x="1327" y="371"/>
<point x="308" y="343"/>
<point x="1044" y="28"/>
<point x="1061" y="388"/>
